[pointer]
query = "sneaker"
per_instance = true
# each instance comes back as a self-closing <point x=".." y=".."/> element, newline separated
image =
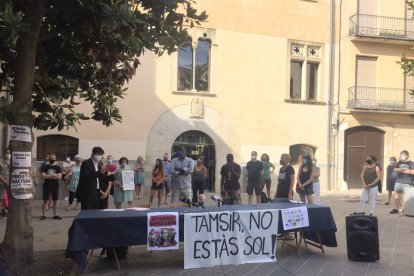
<point x="56" y="217"/>
<point x="66" y="198"/>
<point x="69" y="208"/>
<point x="42" y="218"/>
<point x="394" y="211"/>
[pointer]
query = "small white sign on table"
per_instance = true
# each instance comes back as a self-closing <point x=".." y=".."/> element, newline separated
<point x="128" y="180"/>
<point x="294" y="218"/>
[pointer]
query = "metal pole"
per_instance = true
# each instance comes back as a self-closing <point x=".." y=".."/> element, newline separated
<point x="330" y="92"/>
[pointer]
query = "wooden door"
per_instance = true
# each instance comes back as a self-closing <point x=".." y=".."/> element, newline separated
<point x="360" y="142"/>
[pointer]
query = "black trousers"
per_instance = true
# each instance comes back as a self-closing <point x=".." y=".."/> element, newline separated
<point x="197" y="186"/>
<point x="91" y="201"/>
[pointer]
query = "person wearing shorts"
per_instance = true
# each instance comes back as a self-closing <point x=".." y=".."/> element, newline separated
<point x="254" y="174"/>
<point x="404" y="169"/>
<point x="51" y="173"/>
<point x="158" y="177"/>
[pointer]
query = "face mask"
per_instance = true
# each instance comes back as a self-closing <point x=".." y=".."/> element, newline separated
<point x="314" y="163"/>
<point x="109" y="161"/>
<point x="51" y="161"/>
<point x="253" y="157"/>
<point x="77" y="161"/>
<point x="97" y="158"/>
<point x="369" y="162"/>
<point x="123" y="165"/>
<point x="7" y="156"/>
<point x="68" y="159"/>
<point x="403" y="157"/>
<point x="392" y="163"/>
<point x="281" y="162"/>
<point x="305" y="162"/>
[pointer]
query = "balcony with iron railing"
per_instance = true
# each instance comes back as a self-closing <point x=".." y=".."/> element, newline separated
<point x="365" y="26"/>
<point x="380" y="99"/>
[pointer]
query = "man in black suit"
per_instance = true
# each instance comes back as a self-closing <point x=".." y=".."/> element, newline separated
<point x="90" y="172"/>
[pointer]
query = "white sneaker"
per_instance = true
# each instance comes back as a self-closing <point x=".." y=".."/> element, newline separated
<point x="66" y="198"/>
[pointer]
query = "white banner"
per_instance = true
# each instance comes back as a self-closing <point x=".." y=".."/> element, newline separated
<point x="22" y="159"/>
<point x="20" y="133"/>
<point x="162" y="230"/>
<point x="293" y="218"/>
<point x="21" y="184"/>
<point x="230" y="237"/>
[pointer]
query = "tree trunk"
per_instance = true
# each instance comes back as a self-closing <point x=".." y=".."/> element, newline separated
<point x="17" y="247"/>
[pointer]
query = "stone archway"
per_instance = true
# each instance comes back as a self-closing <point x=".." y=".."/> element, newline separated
<point x="177" y="120"/>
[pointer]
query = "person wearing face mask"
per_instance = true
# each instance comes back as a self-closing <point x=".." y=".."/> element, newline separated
<point x="370" y="177"/>
<point x="181" y="167"/>
<point x="286" y="178"/>
<point x="51" y="174"/>
<point x="230" y="185"/>
<point x="391" y="178"/>
<point x="167" y="180"/>
<point x="304" y="181"/>
<point x="4" y="180"/>
<point x="91" y="171"/>
<point x="315" y="183"/>
<point x="121" y="195"/>
<point x="268" y="168"/>
<point x="158" y="177"/>
<point x="73" y="178"/>
<point x="404" y="169"/>
<point x="139" y="176"/>
<point x="198" y="179"/>
<point x="254" y="174"/>
<point x="67" y="167"/>
<point x="110" y="164"/>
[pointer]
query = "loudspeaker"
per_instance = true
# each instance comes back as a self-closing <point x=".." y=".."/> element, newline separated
<point x="362" y="238"/>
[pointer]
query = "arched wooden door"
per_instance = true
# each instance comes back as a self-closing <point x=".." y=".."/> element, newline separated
<point x="359" y="142"/>
<point x="197" y="144"/>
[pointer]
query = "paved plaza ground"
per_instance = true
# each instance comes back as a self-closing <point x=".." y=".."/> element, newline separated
<point x="396" y="234"/>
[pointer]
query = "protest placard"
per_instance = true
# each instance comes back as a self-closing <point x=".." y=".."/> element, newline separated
<point x="294" y="218"/>
<point x="128" y="180"/>
<point x="230" y="237"/>
<point x="163" y="231"/>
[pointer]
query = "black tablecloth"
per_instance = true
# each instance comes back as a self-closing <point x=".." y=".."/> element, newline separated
<point x="98" y="229"/>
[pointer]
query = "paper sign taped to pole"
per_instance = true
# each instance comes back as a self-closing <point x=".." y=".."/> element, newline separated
<point x="20" y="133"/>
<point x="22" y="159"/>
<point x="21" y="184"/>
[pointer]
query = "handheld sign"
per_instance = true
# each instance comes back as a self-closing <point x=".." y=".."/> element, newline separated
<point x="128" y="180"/>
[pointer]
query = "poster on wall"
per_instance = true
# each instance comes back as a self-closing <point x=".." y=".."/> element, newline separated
<point x="293" y="218"/>
<point x="128" y="180"/>
<point x="21" y="184"/>
<point x="20" y="133"/>
<point x="230" y="237"/>
<point x="21" y="159"/>
<point x="163" y="231"/>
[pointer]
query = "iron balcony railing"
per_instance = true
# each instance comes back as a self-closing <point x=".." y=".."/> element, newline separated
<point x="379" y="98"/>
<point x="383" y="27"/>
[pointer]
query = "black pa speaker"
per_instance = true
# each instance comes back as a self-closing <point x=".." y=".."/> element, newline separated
<point x="362" y="238"/>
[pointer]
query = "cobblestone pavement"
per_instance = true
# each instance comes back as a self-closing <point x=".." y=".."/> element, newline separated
<point x="396" y="234"/>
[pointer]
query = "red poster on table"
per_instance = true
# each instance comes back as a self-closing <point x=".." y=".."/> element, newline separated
<point x="162" y="231"/>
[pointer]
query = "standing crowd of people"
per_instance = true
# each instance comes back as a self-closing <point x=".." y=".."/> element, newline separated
<point x="400" y="177"/>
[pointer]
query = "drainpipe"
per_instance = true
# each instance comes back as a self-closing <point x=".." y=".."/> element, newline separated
<point x="330" y="92"/>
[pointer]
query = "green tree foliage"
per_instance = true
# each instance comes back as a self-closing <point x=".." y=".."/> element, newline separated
<point x="87" y="51"/>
